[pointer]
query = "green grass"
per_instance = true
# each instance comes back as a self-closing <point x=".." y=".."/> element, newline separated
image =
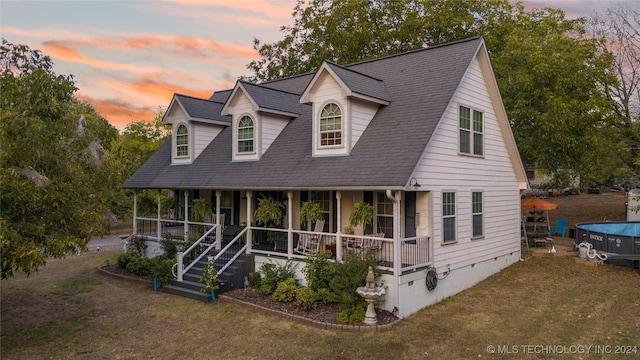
<point x="70" y="310"/>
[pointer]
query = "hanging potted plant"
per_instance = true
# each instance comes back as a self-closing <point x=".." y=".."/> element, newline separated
<point x="310" y="212"/>
<point x="361" y="216"/>
<point x="210" y="278"/>
<point x="269" y="214"/>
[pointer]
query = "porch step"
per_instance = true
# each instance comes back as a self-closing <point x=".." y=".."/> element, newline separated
<point x="186" y="292"/>
<point x="232" y="278"/>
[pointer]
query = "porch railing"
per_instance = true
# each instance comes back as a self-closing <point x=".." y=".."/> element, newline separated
<point x="195" y="252"/>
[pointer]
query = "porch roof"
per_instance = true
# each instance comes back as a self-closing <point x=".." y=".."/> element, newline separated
<point x="421" y="85"/>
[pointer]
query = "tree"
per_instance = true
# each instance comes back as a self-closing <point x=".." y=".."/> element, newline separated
<point x="620" y="27"/>
<point x="349" y="31"/>
<point x="547" y="69"/>
<point x="137" y="142"/>
<point x="50" y="186"/>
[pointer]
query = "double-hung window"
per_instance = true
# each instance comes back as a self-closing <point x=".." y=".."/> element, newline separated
<point x="245" y="134"/>
<point x="331" y="125"/>
<point x="448" y="217"/>
<point x="182" y="141"/>
<point x="471" y="131"/>
<point x="476" y="210"/>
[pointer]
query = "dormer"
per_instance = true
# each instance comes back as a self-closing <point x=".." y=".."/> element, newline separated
<point x="195" y="123"/>
<point x="258" y="116"/>
<point x="343" y="103"/>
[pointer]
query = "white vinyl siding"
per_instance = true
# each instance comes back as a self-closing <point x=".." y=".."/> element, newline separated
<point x="442" y="169"/>
<point x="326" y="91"/>
<point x="270" y="127"/>
<point x="361" y="114"/>
<point x="203" y="135"/>
<point x="240" y="107"/>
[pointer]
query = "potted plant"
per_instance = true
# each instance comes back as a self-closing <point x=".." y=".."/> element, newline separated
<point x="361" y="216"/>
<point x="269" y="214"/>
<point x="310" y="212"/>
<point x="209" y="278"/>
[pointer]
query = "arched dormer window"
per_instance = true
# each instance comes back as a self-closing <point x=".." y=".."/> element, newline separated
<point x="331" y="125"/>
<point x="245" y="135"/>
<point x="182" y="141"/>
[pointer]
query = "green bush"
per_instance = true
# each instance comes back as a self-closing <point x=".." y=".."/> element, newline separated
<point x="255" y="280"/>
<point x="350" y="275"/>
<point x="351" y="316"/>
<point x="274" y="275"/>
<point x="136" y="244"/>
<point x="325" y="296"/>
<point x="318" y="270"/>
<point x="169" y="246"/>
<point x="160" y="268"/>
<point x="306" y="298"/>
<point x="286" y="290"/>
<point x="125" y="258"/>
<point x="140" y="266"/>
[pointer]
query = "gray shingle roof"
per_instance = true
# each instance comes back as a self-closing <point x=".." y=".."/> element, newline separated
<point x="420" y="83"/>
<point x="202" y="109"/>
<point x="360" y="83"/>
<point x="273" y="99"/>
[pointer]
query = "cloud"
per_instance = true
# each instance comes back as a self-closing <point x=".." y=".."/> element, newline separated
<point x="118" y="112"/>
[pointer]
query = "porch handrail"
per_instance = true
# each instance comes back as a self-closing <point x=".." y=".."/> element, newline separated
<point x="180" y="255"/>
<point x="237" y="255"/>
<point x="420" y="258"/>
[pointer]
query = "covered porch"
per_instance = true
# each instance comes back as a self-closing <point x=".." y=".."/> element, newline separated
<point x="231" y="228"/>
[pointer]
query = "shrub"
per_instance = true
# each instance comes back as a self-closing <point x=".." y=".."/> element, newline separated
<point x="318" y="270"/>
<point x="275" y="274"/>
<point x="160" y="268"/>
<point x="325" y="296"/>
<point x="351" y="316"/>
<point x="140" y="266"/>
<point x="255" y="280"/>
<point x="125" y="258"/>
<point x="286" y="290"/>
<point x="349" y="275"/>
<point x="306" y="298"/>
<point x="169" y="246"/>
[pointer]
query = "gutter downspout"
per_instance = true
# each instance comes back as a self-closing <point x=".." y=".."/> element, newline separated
<point x="397" y="246"/>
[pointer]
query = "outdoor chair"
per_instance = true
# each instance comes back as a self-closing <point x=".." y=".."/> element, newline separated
<point x="310" y="243"/>
<point x="560" y="228"/>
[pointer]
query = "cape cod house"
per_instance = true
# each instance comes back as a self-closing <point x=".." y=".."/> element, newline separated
<point x="422" y="136"/>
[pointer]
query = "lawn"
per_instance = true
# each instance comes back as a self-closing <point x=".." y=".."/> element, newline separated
<point x="549" y="303"/>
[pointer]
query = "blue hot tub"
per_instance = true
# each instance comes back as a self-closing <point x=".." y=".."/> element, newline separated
<point x="620" y="241"/>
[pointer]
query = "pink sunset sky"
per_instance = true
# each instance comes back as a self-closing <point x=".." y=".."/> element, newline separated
<point x="129" y="57"/>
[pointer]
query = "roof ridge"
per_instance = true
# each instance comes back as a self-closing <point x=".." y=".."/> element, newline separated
<point x="416" y="51"/>
<point x="268" y="88"/>
<point x="197" y="98"/>
<point x="353" y="71"/>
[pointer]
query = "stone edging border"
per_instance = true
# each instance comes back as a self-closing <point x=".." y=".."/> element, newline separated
<point x="296" y="318"/>
<point x="314" y="323"/>
<point x="127" y="278"/>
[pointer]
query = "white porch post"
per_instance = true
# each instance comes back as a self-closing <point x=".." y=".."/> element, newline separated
<point x="290" y="221"/>
<point x="397" y="245"/>
<point x="339" y="226"/>
<point x="248" y="195"/>
<point x="218" y="228"/>
<point x="158" y="222"/>
<point x="135" y="212"/>
<point x="186" y="215"/>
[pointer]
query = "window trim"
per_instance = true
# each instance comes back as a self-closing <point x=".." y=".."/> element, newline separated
<point x="473" y="215"/>
<point x="342" y="125"/>
<point x="253" y="138"/>
<point x="471" y="131"/>
<point x="179" y="146"/>
<point x="454" y="217"/>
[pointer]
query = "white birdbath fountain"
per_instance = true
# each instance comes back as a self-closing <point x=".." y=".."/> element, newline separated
<point x="370" y="293"/>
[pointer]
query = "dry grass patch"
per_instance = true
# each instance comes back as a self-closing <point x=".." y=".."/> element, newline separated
<point x="70" y="310"/>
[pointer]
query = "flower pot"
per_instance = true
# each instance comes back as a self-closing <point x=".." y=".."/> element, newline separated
<point x="331" y="248"/>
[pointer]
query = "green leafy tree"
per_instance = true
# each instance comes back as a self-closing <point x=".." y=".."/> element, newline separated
<point x="547" y="68"/>
<point x="50" y="187"/>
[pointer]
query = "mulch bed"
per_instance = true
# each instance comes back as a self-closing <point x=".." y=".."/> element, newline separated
<point x="324" y="313"/>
